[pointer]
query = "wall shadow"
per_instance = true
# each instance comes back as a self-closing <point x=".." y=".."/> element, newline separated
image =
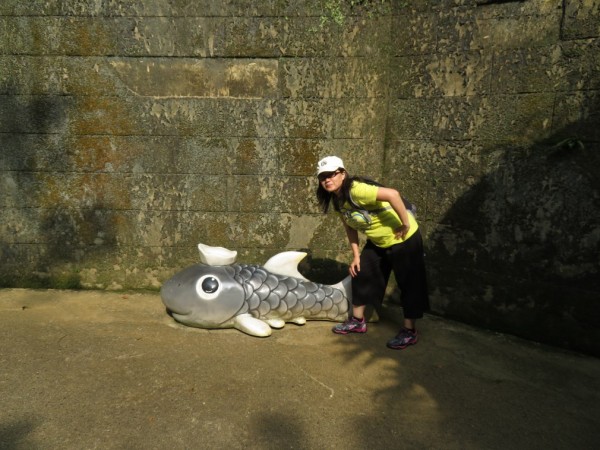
<point x="42" y="229"/>
<point x="518" y="252"/>
<point x="322" y="270"/>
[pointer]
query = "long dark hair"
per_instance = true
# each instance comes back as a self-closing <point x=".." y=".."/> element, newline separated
<point x="326" y="198"/>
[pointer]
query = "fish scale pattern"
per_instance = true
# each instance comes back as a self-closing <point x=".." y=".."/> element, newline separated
<point x="272" y="296"/>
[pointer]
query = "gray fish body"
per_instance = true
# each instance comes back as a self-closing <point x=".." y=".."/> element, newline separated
<point x="250" y="298"/>
<point x="268" y="295"/>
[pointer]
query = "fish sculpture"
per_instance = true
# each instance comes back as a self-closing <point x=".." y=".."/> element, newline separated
<point x="219" y="293"/>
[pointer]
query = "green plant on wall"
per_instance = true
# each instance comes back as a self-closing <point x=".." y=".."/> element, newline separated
<point x="338" y="11"/>
<point x="333" y="12"/>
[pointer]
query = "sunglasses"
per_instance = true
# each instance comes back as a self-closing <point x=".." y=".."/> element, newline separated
<point x="326" y="175"/>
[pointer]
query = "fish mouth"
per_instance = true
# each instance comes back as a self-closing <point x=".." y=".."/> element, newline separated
<point x="172" y="313"/>
<point x="175" y="307"/>
<point x="177" y="311"/>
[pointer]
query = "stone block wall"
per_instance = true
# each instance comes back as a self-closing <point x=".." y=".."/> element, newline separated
<point x="131" y="131"/>
<point x="493" y="127"/>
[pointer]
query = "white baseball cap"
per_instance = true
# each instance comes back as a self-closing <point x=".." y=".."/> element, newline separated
<point x="330" y="164"/>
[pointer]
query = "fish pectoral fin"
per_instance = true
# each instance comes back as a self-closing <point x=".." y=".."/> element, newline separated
<point x="251" y="325"/>
<point x="276" y="323"/>
<point x="299" y="321"/>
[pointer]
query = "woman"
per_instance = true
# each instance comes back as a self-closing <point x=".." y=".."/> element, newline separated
<point x="394" y="243"/>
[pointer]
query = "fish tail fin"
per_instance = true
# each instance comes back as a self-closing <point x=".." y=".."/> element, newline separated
<point x="286" y="263"/>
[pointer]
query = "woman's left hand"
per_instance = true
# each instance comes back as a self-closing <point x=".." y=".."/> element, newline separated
<point x="393" y="197"/>
<point x="401" y="232"/>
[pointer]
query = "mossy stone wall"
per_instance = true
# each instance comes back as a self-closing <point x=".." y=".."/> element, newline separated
<point x="131" y="131"/>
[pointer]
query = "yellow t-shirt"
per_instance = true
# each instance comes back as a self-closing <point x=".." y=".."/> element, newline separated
<point x="380" y="219"/>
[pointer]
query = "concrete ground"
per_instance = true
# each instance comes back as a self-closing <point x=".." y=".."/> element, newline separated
<point x="82" y="370"/>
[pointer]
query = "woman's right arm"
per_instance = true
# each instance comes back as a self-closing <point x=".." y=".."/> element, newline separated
<point x="353" y="239"/>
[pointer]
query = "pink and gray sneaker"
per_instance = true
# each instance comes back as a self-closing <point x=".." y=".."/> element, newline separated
<point x="403" y="339"/>
<point x="352" y="325"/>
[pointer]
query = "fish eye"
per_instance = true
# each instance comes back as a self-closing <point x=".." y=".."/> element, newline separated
<point x="208" y="287"/>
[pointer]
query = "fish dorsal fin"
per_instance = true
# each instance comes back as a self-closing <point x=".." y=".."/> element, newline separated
<point x="216" y="256"/>
<point x="286" y="263"/>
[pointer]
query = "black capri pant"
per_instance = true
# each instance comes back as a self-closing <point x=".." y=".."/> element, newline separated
<point x="407" y="260"/>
